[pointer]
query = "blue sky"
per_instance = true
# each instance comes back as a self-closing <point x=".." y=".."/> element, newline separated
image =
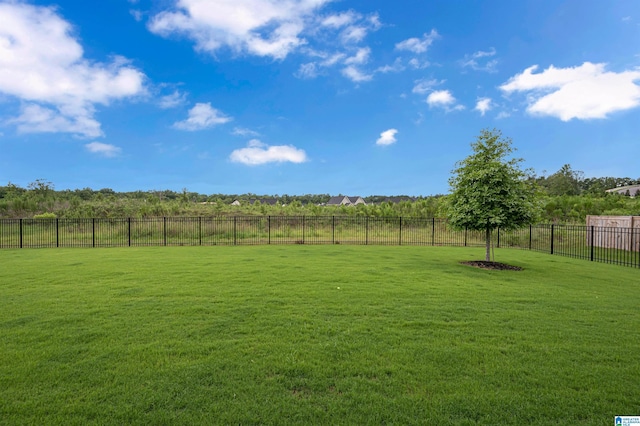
<point x="311" y="96"/>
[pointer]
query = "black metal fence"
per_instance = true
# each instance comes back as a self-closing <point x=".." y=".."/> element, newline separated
<point x="611" y="245"/>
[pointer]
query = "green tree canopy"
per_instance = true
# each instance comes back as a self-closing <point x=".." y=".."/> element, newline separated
<point x="489" y="190"/>
<point x="565" y="181"/>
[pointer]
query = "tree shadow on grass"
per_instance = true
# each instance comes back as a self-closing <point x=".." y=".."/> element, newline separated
<point x="483" y="264"/>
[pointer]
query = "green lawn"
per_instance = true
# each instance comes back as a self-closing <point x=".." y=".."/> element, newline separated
<point x="314" y="335"/>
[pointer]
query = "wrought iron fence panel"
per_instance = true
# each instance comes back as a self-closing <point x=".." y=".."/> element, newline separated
<point x="75" y="233"/>
<point x="614" y="245"/>
<point x="112" y="232"/>
<point x="619" y="246"/>
<point x="39" y="233"/>
<point x="10" y="233"/>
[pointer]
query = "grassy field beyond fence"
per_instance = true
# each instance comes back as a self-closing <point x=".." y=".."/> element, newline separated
<point x="314" y="335"/>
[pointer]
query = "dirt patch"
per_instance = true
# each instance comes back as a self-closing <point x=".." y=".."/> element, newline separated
<point x="492" y="265"/>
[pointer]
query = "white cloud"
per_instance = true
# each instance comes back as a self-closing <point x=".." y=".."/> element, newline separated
<point x="374" y="21"/>
<point x="42" y="64"/>
<point x="417" y="45"/>
<point x="440" y="98"/>
<point x="396" y="67"/>
<point x="354" y="34"/>
<point x="584" y="92"/>
<point x="352" y="64"/>
<point x="424" y="86"/>
<point x="241" y="131"/>
<point x="259" y="27"/>
<point x="340" y="20"/>
<point x="355" y="75"/>
<point x="387" y="137"/>
<point x="483" y="105"/>
<point x="257" y="153"/>
<point x="333" y="59"/>
<point x="137" y="14"/>
<point x="307" y="71"/>
<point x="443" y="99"/>
<point x="417" y="64"/>
<point x="352" y="70"/>
<point x="173" y="100"/>
<point x="272" y="28"/>
<point x="361" y="57"/>
<point x="38" y="119"/>
<point x="477" y="61"/>
<point x="104" y="149"/>
<point x="202" y="116"/>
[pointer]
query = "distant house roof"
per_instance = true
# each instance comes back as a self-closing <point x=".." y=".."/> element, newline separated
<point x="343" y="200"/>
<point x="251" y="201"/>
<point x="336" y="201"/>
<point x="633" y="190"/>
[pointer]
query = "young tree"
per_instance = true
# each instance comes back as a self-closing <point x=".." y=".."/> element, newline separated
<point x="41" y="187"/>
<point x="489" y="190"/>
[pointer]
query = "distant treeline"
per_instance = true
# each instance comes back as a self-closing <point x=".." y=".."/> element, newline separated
<point x="567" y="181"/>
<point x="565" y="196"/>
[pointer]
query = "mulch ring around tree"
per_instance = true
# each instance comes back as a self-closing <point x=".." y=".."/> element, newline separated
<point x="483" y="264"/>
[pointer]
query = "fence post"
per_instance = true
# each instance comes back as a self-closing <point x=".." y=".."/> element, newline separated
<point x="366" y="231"/>
<point x="530" y="235"/>
<point x="637" y="234"/>
<point x="400" y="240"/>
<point x="592" y="242"/>
<point x="433" y="231"/>
<point x="333" y="229"/>
<point x="93" y="232"/>
<point x="465" y="236"/>
<point x="164" y="230"/>
<point x="552" y="238"/>
<point x="199" y="230"/>
<point x="129" y="230"/>
<point x="302" y="229"/>
<point x="234" y="230"/>
<point x="268" y="229"/>
<point x="57" y="233"/>
<point x="21" y="234"/>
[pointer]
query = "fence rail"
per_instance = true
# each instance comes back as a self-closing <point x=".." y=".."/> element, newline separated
<point x="610" y="245"/>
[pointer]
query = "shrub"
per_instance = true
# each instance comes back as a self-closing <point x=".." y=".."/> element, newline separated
<point x="45" y="215"/>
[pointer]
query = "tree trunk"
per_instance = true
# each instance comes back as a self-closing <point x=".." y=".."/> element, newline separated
<point x="488" y="244"/>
